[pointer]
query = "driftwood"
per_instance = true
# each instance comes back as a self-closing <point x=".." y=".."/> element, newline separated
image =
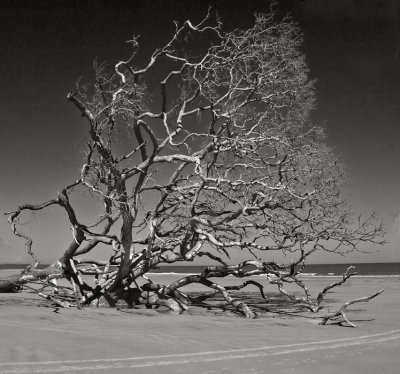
<point x="170" y="296"/>
<point x="341" y="313"/>
<point x="221" y="158"/>
<point x="14" y="282"/>
<point x="348" y="273"/>
<point x="10" y="283"/>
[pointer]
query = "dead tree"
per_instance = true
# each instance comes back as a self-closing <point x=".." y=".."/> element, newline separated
<point x="216" y="157"/>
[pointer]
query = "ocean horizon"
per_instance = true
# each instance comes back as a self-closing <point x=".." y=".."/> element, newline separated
<point x="363" y="269"/>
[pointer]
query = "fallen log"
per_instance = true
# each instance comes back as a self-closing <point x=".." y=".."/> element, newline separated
<point x="13" y="282"/>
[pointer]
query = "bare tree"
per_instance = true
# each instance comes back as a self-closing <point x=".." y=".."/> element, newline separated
<point x="216" y="157"/>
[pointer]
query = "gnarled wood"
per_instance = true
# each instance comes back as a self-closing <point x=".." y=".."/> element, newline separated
<point x="221" y="159"/>
<point x="341" y="313"/>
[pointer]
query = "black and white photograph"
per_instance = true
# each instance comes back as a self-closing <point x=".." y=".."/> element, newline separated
<point x="200" y="186"/>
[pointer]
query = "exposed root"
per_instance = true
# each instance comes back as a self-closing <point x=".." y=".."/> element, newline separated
<point x="254" y="283"/>
<point x="240" y="305"/>
<point x="152" y="298"/>
<point x="171" y="297"/>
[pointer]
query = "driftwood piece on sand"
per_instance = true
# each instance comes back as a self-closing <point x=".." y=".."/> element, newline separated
<point x="341" y="313"/>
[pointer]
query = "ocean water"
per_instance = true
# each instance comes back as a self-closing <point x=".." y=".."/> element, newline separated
<point x="365" y="269"/>
<point x="371" y="269"/>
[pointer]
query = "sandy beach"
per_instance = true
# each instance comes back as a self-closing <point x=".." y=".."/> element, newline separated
<point x="37" y="339"/>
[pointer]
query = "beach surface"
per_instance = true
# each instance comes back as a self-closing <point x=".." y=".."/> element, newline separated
<point x="38" y="339"/>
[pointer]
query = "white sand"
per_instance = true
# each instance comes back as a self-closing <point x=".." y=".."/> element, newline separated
<point x="38" y="339"/>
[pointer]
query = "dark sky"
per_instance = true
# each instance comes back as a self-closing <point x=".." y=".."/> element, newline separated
<point x="352" y="48"/>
